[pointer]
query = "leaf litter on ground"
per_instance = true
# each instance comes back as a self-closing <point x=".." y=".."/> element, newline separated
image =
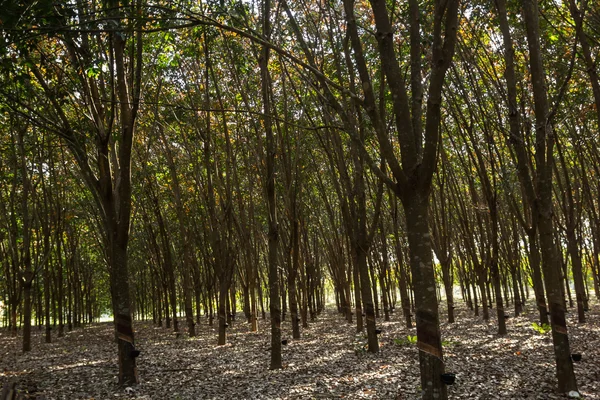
<point x="330" y="361"/>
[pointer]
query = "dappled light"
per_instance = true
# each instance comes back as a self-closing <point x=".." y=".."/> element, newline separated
<point x="325" y="363"/>
<point x="291" y="199"/>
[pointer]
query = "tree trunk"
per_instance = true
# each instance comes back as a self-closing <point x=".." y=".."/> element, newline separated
<point x="27" y="283"/>
<point x="538" y="283"/>
<point x="122" y="311"/>
<point x="421" y="263"/>
<point x="523" y="161"/>
<point x="273" y="234"/>
<point x="383" y="274"/>
<point x="544" y="166"/>
<point x="373" y="280"/>
<point x="448" y="287"/>
<point x="516" y="291"/>
<point x="358" y="304"/>
<point x="223" y="290"/>
<point x="577" y="268"/>
<point x="367" y="297"/>
<point x="295" y="264"/>
<point x="481" y="279"/>
<point x="400" y="268"/>
<point x="48" y="335"/>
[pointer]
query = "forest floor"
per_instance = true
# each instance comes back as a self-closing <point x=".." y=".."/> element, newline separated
<point x="329" y="362"/>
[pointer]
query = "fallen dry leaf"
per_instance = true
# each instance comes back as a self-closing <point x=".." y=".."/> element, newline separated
<point x="328" y="362"/>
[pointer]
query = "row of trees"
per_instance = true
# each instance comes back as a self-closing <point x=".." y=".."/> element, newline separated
<point x="144" y="173"/>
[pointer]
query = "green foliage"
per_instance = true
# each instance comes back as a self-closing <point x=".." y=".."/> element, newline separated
<point x="93" y="71"/>
<point x="541" y="329"/>
<point x="409" y="340"/>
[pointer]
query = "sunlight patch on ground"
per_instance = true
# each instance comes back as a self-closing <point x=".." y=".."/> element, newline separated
<point x="83" y="363"/>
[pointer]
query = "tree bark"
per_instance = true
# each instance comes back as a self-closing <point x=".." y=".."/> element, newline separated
<point x="273" y="234"/>
<point x="544" y="145"/>
<point x="516" y="141"/>
<point x="428" y="331"/>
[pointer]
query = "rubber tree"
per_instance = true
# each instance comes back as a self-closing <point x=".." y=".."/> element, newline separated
<point x="477" y="134"/>
<point x="351" y="189"/>
<point x="273" y="234"/>
<point x="97" y="124"/>
<point x="418" y="137"/>
<point x="441" y="235"/>
<point x="541" y="196"/>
